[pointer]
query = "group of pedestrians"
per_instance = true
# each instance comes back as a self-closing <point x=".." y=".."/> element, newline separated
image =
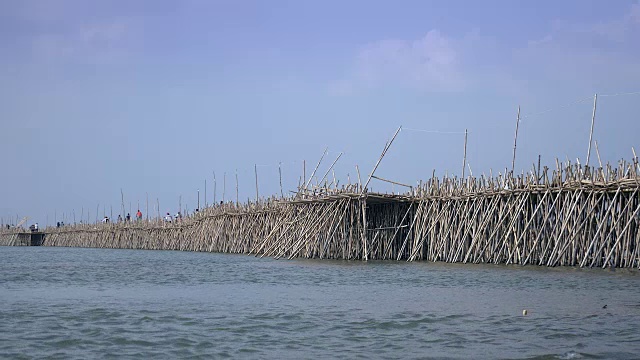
<point x="168" y="218"/>
<point x="126" y="218"/>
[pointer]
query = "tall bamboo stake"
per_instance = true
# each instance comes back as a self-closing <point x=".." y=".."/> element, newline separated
<point x="122" y="201"/>
<point x="280" y="174"/>
<point x="306" y="185"/>
<point x="515" y="142"/>
<point x="386" y="148"/>
<point x="215" y="201"/>
<point x="330" y="167"/>
<point x="464" y="157"/>
<point x="255" y="168"/>
<point x="593" y="120"/>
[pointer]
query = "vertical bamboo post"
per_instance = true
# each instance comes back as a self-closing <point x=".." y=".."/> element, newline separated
<point x="122" y="200"/>
<point x="365" y="256"/>
<point x="237" y="199"/>
<point x="224" y="185"/>
<point x="205" y="193"/>
<point x="593" y="119"/>
<point x="464" y="157"/>
<point x="280" y="173"/>
<point x="198" y="208"/>
<point x="215" y="201"/>
<point x="515" y="142"/>
<point x="255" y="168"/>
<point x="147" y="208"/>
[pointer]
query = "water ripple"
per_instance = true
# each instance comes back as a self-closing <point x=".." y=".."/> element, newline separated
<point x="104" y="304"/>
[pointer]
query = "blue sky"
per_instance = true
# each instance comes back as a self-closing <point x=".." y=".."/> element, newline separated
<point x="152" y="97"/>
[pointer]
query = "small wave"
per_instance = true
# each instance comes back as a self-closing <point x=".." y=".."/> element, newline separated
<point x="570" y="355"/>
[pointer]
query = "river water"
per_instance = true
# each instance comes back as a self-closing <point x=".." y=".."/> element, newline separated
<point x="94" y="303"/>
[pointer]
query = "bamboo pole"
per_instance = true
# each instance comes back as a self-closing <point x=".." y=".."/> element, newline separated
<point x="386" y="148"/>
<point x="280" y="174"/>
<point x="515" y="141"/>
<point x="306" y="185"/>
<point x="255" y="169"/>
<point x="330" y="167"/>
<point x="122" y="201"/>
<point x="464" y="157"/>
<point x="593" y="119"/>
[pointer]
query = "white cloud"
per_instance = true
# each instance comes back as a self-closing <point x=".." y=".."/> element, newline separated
<point x="621" y="29"/>
<point x="595" y="55"/>
<point x="430" y="64"/>
<point x="94" y="43"/>
<point x="109" y="32"/>
<point x="572" y="55"/>
<point x="634" y="14"/>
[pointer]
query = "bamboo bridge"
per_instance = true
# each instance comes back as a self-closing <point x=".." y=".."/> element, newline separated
<point x="572" y="215"/>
